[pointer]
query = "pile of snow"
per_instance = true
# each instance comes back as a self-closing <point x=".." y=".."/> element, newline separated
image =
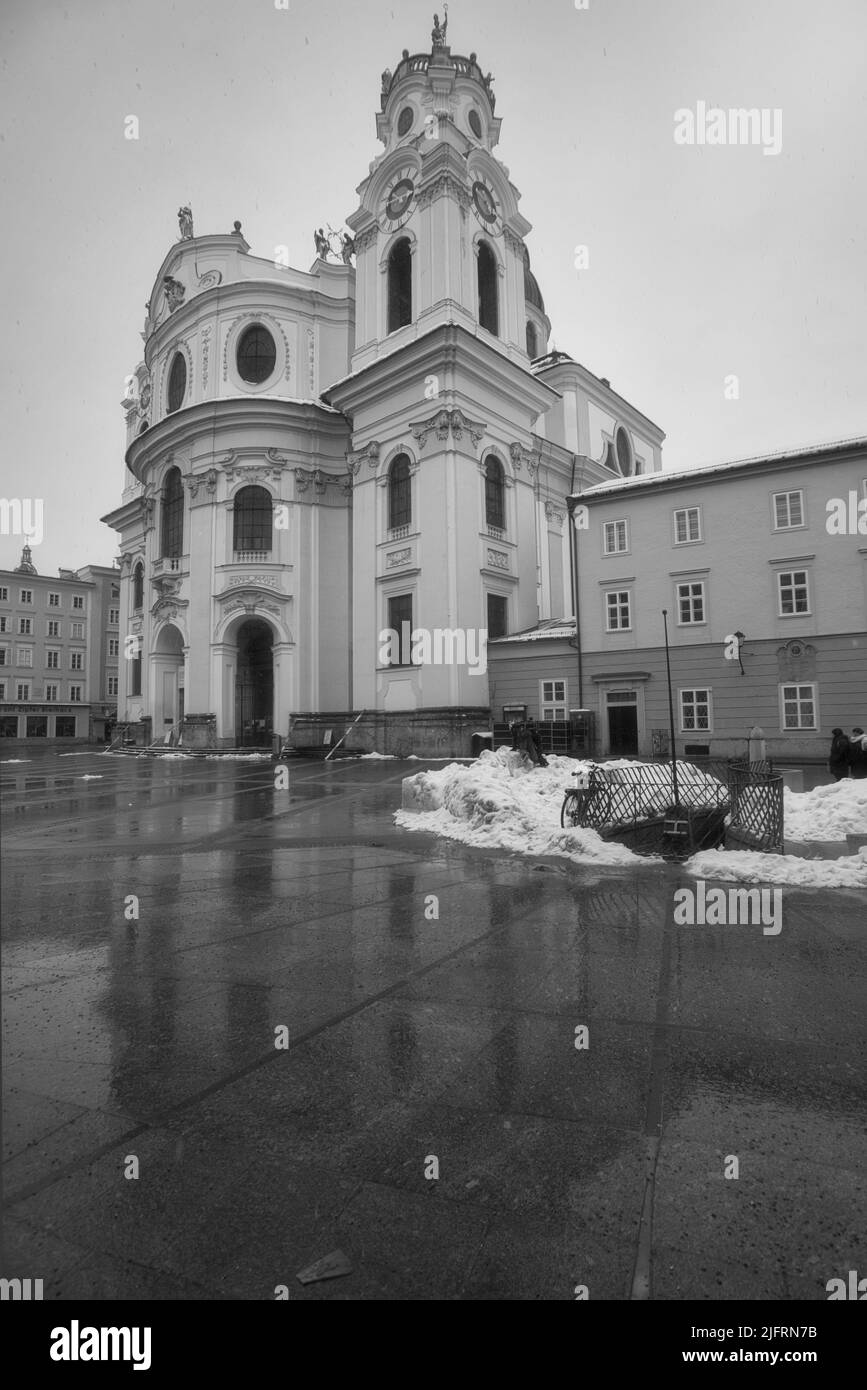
<point x="501" y="802"/>
<point x="826" y="813"/>
<point x="749" y="866"/>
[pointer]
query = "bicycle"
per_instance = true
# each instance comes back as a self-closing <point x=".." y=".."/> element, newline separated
<point x="588" y="803"/>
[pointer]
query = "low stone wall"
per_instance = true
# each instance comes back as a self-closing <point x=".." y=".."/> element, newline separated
<point x="428" y="733"/>
<point x="199" y="731"/>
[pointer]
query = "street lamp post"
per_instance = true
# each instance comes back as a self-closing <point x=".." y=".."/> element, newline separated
<point x="671" y="717"/>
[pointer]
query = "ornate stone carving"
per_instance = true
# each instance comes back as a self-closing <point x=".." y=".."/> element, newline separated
<point x="355" y="458"/>
<point x="311" y="360"/>
<point x="555" y="514"/>
<point x="210" y="279"/>
<point x="396" y="558"/>
<point x="206" y="355"/>
<point x="445" y="185"/>
<point x="513" y="242"/>
<point x="305" y="476"/>
<point x="270" y="581"/>
<point x="197" y="479"/>
<point x="445" y="422"/>
<point x="174" y="292"/>
<point x="498" y="559"/>
<point x="365" y="239"/>
<point x="519" y="455"/>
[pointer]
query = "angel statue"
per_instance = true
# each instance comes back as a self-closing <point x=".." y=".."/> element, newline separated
<point x="322" y="244"/>
<point x="185" y="222"/>
<point x="347" y="251"/>
<point x="438" y="33"/>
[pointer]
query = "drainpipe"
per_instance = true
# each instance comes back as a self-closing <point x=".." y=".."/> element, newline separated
<point x="573" y="566"/>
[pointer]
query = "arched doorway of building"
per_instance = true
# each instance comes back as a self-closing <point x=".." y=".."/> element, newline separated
<point x="168" y="662"/>
<point x="254" y="685"/>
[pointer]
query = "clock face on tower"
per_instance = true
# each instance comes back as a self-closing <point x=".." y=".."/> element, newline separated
<point x="486" y="208"/>
<point x="397" y="200"/>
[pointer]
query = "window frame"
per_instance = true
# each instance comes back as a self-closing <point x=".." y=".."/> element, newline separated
<point x="707" y="691"/>
<point x="619" y="594"/>
<point x="553" y="703"/>
<point x="616" y="550"/>
<point x="782" y="574"/>
<point x="798" y="686"/>
<point x="789" y="525"/>
<point x="497" y="598"/>
<point x="685" y="511"/>
<point x="702" y="598"/>
<point x="393" y="626"/>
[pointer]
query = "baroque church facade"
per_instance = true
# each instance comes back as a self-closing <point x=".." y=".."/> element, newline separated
<point x="317" y="458"/>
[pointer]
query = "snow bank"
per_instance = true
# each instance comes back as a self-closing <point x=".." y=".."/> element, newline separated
<point x="499" y="802"/>
<point x="826" y="813"/>
<point x="749" y="866"/>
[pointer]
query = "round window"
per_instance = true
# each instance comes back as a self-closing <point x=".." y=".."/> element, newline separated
<point x="177" y="383"/>
<point x="257" y="354"/>
<point x="475" y="124"/>
<point x="405" y="120"/>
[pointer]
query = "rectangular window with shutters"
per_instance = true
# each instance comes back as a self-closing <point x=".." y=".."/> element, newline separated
<point x="52" y="627"/>
<point x="53" y="600"/>
<point x="788" y="510"/>
<point x="23" y="690"/>
<point x="51" y="691"/>
<point x="76" y="630"/>
<point x="52" y="661"/>
<point x="75" y="693"/>
<point x="76" y="661"/>
<point x="25" y="627"/>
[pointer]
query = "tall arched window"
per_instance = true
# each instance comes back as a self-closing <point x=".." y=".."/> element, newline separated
<point x="172" y="536"/>
<point x="495" y="490"/>
<point x="488" y="312"/>
<point x="253" y="519"/>
<point x="399" y="499"/>
<point x="532" y="341"/>
<point x="177" y="383"/>
<point x="400" y="285"/>
<point x="138" y="587"/>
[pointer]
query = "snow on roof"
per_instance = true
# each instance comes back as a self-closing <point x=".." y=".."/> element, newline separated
<point x="551" y="627"/>
<point x="684" y="474"/>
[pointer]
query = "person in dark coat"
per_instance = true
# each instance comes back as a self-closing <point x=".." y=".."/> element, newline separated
<point x="838" y="760"/>
<point x="858" y="753"/>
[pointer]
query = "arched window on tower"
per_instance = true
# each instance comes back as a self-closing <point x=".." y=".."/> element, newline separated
<point x="253" y="519"/>
<point x="172" y="535"/>
<point x="138" y="587"/>
<point x="495" y="494"/>
<point x="399" y="498"/>
<point x="532" y="341"/>
<point x="400" y="285"/>
<point x="489" y="316"/>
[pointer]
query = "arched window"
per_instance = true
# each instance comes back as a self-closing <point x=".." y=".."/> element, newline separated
<point x="172" y="516"/>
<point x="400" y="285"/>
<point x="488" y="312"/>
<point x="253" y="519"/>
<point x="256" y="355"/>
<point x="399" y="499"/>
<point x="177" y="383"/>
<point x="532" y="340"/>
<point x="143" y="426"/>
<point x="138" y="587"/>
<point x="495" y="494"/>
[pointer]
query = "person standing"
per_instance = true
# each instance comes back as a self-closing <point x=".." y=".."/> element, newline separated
<point x="838" y="758"/>
<point x="858" y="753"/>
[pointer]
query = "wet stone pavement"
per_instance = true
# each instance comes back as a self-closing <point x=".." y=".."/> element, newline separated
<point x="149" y="1044"/>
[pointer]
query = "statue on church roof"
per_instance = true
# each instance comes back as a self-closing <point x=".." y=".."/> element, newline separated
<point x="438" y="33"/>
<point x="174" y="292"/>
<point x="348" y="249"/>
<point x="386" y="81"/>
<point x="185" y="222"/>
<point x="322" y="244"/>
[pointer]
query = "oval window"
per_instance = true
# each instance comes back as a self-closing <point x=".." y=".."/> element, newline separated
<point x="257" y="354"/>
<point x="475" y="124"/>
<point x="405" y="120"/>
<point x="624" y="452"/>
<point x="177" y="383"/>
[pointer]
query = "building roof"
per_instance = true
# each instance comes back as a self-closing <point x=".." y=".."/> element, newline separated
<point x="757" y="464"/>
<point x="551" y="627"/>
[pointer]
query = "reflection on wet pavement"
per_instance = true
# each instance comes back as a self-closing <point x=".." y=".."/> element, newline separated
<point x="167" y="924"/>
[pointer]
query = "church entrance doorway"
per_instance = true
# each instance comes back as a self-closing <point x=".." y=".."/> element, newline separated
<point x="254" y="685"/>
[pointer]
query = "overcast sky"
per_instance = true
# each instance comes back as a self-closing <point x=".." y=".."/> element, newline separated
<point x="705" y="261"/>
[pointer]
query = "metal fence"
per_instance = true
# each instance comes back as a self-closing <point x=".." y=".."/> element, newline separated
<point x="756" y="818"/>
<point x="626" y="796"/>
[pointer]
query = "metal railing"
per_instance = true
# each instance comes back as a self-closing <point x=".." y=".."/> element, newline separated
<point x="757" y="805"/>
